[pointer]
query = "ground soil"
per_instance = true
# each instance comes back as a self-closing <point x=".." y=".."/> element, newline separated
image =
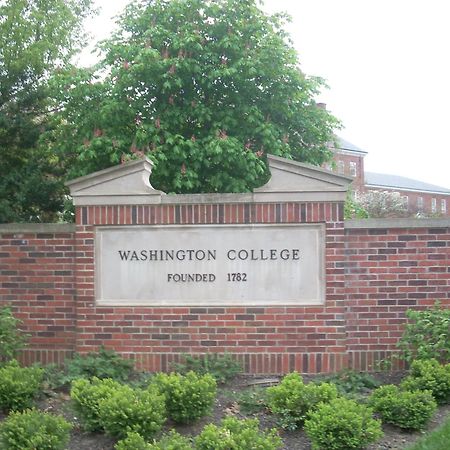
<point x="58" y="402"/>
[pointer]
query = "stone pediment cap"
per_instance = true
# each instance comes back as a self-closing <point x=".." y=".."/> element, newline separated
<point x="293" y="177"/>
<point x="116" y="185"/>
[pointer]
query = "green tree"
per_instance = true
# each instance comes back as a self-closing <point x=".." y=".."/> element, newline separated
<point x="205" y="88"/>
<point x="36" y="36"/>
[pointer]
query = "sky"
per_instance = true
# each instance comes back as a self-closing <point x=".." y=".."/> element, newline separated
<point x="387" y="66"/>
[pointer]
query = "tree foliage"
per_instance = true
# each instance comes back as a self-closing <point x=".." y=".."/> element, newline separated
<point x="36" y="36"/>
<point x="205" y="88"/>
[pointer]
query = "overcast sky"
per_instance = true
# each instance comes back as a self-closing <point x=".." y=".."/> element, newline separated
<point x="387" y="65"/>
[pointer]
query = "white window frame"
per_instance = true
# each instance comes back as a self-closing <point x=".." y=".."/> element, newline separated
<point x="433" y="205"/>
<point x="420" y="203"/>
<point x="443" y="206"/>
<point x="353" y="169"/>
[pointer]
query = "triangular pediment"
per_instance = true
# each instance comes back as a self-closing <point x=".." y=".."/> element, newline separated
<point x="116" y="185"/>
<point x="293" y="176"/>
<point x="129" y="184"/>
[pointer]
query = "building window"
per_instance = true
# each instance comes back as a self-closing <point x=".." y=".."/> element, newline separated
<point x="405" y="199"/>
<point x="444" y="206"/>
<point x="433" y="205"/>
<point x="420" y="203"/>
<point x="352" y="169"/>
<point x="341" y="167"/>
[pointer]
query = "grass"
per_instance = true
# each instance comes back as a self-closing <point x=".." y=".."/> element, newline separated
<point x="439" y="439"/>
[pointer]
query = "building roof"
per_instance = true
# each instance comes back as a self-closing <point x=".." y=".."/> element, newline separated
<point x="382" y="180"/>
<point x="342" y="144"/>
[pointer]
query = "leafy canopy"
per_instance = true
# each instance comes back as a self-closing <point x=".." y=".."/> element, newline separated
<point x="205" y="88"/>
<point x="36" y="36"/>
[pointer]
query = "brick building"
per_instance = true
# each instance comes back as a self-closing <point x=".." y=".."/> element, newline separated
<point x="420" y="197"/>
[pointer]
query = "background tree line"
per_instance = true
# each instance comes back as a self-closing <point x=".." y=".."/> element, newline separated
<point x="205" y="88"/>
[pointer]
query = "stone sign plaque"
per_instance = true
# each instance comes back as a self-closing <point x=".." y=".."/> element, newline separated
<point x="210" y="265"/>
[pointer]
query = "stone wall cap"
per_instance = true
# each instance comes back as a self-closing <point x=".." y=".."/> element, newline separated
<point x="391" y="223"/>
<point x="37" y="228"/>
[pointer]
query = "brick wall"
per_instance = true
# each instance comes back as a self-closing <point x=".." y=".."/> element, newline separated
<point x="264" y="339"/>
<point x="37" y="279"/>
<point x="375" y="270"/>
<point x="388" y="270"/>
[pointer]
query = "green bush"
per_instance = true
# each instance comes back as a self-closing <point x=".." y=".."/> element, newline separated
<point x="292" y="400"/>
<point x="427" y="334"/>
<point x="405" y="409"/>
<point x="104" y="364"/>
<point x="170" y="441"/>
<point x="18" y="386"/>
<point x="127" y="409"/>
<point x="34" y="430"/>
<point x="431" y="376"/>
<point x="237" y="435"/>
<point x="133" y="441"/>
<point x="11" y="338"/>
<point x="87" y="395"/>
<point x="342" y="424"/>
<point x="188" y="397"/>
<point x="221" y="367"/>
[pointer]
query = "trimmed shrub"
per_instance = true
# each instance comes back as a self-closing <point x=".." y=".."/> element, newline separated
<point x="104" y="364"/>
<point x="133" y="441"/>
<point x="431" y="376"/>
<point x="188" y="397"/>
<point x="34" y="430"/>
<point x="237" y="435"/>
<point x="342" y="424"/>
<point x="292" y="400"/>
<point x="171" y="441"/>
<point x="127" y="409"/>
<point x="18" y="386"/>
<point x="405" y="409"/>
<point x="86" y="397"/>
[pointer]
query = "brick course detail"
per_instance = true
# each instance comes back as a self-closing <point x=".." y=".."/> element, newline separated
<point x="373" y="275"/>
